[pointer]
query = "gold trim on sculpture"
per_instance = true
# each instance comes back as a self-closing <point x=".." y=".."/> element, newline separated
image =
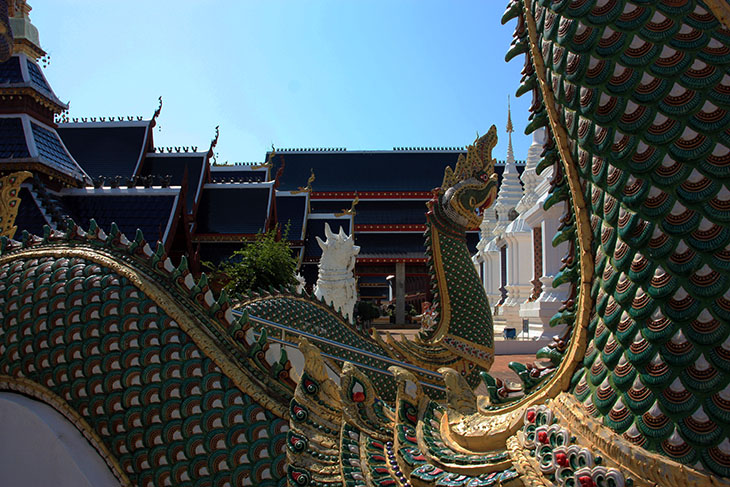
<point x="721" y="10"/>
<point x="10" y="201"/>
<point x="228" y="364"/>
<point x="647" y="468"/>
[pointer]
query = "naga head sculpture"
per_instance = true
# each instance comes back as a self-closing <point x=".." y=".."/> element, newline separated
<point x="471" y="185"/>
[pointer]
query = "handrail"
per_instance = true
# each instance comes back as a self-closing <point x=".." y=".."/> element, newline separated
<point x="343" y="346"/>
<point x="358" y="364"/>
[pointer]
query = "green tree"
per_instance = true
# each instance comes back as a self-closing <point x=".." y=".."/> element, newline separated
<point x="265" y="262"/>
<point x="366" y="312"/>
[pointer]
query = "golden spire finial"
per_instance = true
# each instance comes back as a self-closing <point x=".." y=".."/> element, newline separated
<point x="510" y="129"/>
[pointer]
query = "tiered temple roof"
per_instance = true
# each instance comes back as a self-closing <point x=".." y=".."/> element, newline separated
<point x="108" y="169"/>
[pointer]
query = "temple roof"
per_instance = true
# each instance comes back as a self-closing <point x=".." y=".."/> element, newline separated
<point x="372" y="281"/>
<point x="152" y="210"/>
<point x="399" y="170"/>
<point x="234" y="208"/>
<point x="107" y="148"/>
<point x="383" y="212"/>
<point x="405" y="246"/>
<point x="26" y="143"/>
<point x="12" y="139"/>
<point x="238" y="173"/>
<point x="292" y="209"/>
<point x="175" y="165"/>
<point x="384" y="246"/>
<point x="20" y="71"/>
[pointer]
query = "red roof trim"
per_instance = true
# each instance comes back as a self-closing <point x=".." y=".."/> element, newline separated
<point x="223" y="237"/>
<point x="389" y="260"/>
<point x="415" y="227"/>
<point x="371" y="195"/>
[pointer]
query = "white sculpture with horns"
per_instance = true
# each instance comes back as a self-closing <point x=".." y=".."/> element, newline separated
<point x="336" y="281"/>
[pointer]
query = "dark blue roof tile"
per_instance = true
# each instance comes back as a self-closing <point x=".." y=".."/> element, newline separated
<point x="106" y="150"/>
<point x="149" y="212"/>
<point x="234" y="208"/>
<point x="369" y="170"/>
<point x="12" y="139"/>
<point x="175" y="165"/>
<point x="386" y="245"/>
<point x="51" y="149"/>
<point x="292" y="210"/>
<point x="10" y="71"/>
<point x="36" y="78"/>
<point x="373" y="212"/>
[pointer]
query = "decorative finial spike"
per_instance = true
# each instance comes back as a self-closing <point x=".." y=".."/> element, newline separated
<point x="510" y="128"/>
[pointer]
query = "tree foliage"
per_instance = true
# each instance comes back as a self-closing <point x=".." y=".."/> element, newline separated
<point x="260" y="264"/>
<point x="366" y="311"/>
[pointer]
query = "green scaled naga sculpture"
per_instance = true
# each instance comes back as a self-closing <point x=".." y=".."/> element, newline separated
<point x="172" y="388"/>
<point x="634" y="97"/>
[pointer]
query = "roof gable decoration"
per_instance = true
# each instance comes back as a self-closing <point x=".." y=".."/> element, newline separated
<point x="213" y="143"/>
<point x="351" y="210"/>
<point x="269" y="160"/>
<point x="308" y="187"/>
<point x="114" y="121"/>
<point x="238" y="166"/>
<point x="147" y="141"/>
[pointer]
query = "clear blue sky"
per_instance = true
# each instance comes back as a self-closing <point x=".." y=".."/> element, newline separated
<point x="317" y="73"/>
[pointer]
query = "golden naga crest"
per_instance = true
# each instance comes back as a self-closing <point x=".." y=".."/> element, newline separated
<point x="478" y="161"/>
<point x="472" y="184"/>
<point x="10" y="201"/>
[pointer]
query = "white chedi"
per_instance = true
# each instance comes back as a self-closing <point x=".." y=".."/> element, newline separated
<point x="336" y="280"/>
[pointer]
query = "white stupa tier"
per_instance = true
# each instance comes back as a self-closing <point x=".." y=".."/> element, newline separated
<point x="529" y="177"/>
<point x="510" y="191"/>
